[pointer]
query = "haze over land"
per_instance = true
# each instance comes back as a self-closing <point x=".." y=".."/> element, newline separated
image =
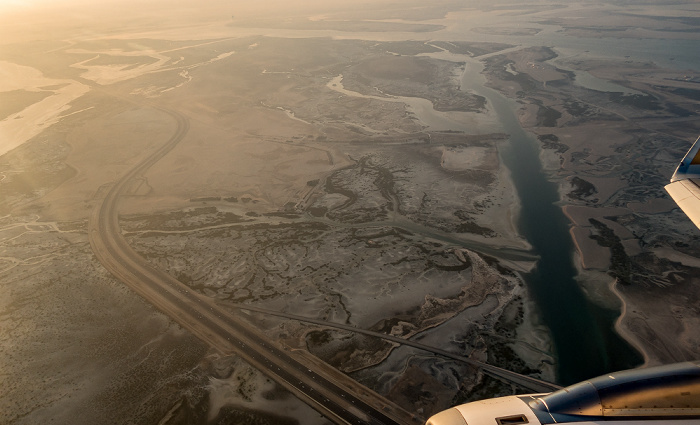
<point x="350" y="163"/>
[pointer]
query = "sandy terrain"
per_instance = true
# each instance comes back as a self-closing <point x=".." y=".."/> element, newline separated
<point x="286" y="193"/>
<point x="336" y="166"/>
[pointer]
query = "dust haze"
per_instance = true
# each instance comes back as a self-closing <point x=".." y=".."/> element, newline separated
<point x="341" y="162"/>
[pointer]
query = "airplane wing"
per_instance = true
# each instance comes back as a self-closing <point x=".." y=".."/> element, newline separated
<point x="685" y="184"/>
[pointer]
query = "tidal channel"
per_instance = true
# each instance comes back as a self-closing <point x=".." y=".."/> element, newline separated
<point x="585" y="341"/>
<point x="583" y="333"/>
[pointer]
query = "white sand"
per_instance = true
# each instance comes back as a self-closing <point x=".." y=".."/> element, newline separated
<point x="32" y="120"/>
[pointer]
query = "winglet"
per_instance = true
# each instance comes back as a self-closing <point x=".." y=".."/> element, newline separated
<point x="689" y="168"/>
<point x="684" y="187"/>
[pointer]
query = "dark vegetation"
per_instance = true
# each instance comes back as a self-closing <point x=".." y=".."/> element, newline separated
<point x="582" y="188"/>
<point x="620" y="267"/>
<point x="578" y="109"/>
<point x="551" y="141"/>
<point x="511" y="318"/>
<point x="500" y="354"/>
<point x="686" y="92"/>
<point x="547" y="116"/>
<point x="468" y="225"/>
<point x="640" y="101"/>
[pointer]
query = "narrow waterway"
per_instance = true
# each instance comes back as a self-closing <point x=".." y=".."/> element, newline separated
<point x="585" y="341"/>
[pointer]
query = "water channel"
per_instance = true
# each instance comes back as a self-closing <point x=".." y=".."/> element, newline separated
<point x="585" y="341"/>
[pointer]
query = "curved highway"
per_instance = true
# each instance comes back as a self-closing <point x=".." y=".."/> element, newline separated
<point x="333" y="394"/>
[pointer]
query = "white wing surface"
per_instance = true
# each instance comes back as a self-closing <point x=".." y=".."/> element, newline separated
<point x="685" y="184"/>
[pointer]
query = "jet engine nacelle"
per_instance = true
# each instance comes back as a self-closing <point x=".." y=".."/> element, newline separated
<point x="650" y="396"/>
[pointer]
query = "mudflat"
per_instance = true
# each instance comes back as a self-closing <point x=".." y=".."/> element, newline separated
<point x="339" y="165"/>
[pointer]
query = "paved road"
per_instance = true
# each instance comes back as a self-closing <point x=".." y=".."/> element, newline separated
<point x="533" y="384"/>
<point x="334" y="395"/>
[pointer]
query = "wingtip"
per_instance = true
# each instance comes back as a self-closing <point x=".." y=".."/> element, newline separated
<point x="689" y="166"/>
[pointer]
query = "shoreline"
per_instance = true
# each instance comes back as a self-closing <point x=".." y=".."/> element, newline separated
<point x="625" y="333"/>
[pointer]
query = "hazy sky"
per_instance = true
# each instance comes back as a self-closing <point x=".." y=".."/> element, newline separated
<point x="26" y="20"/>
<point x="10" y="5"/>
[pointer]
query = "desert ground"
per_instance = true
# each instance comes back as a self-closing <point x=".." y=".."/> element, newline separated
<point x="337" y="166"/>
